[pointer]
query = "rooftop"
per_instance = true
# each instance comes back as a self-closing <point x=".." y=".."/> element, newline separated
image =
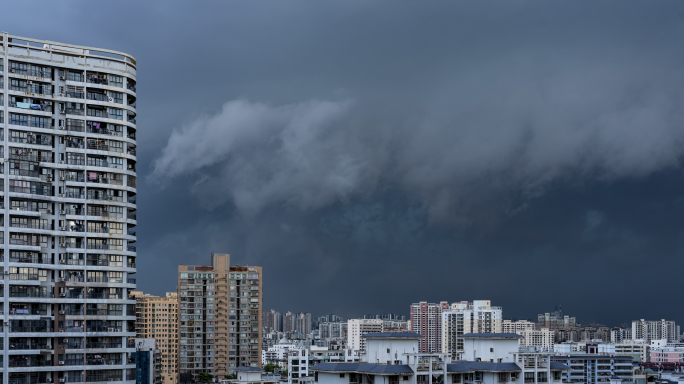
<point x="378" y="369"/>
<point x="392" y="335"/>
<point x="491" y="336"/>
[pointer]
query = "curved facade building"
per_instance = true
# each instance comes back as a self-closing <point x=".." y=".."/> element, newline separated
<point x="67" y="198"/>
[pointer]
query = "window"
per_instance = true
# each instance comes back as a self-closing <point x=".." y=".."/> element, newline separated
<point x="456" y="379"/>
<point x="503" y="377"/>
<point x="116" y="81"/>
<point x="341" y="374"/>
<point x="115" y="261"/>
<point x="117" y="97"/>
<point x="115" y="113"/>
<point x="74" y="76"/>
<point x="491" y="349"/>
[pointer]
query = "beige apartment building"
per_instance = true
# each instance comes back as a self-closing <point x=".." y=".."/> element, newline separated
<point x="157" y="318"/>
<point x="220" y="318"/>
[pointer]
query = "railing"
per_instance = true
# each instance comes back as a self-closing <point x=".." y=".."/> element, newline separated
<point x="33" y="243"/>
<point x="97" y="113"/>
<point x="75" y="125"/>
<point x="30" y="294"/>
<point x="98" y="246"/>
<point x="74" y="111"/>
<point x="31" y="259"/>
<point x="23" y="276"/>
<point x="97" y="96"/>
<point x="73" y="144"/>
<point x="99" y="179"/>
<point x="96" y="211"/>
<point x="32" y="140"/>
<point x="131" y="120"/>
<point x="98" y="279"/>
<point x="31" y="225"/>
<point x="131" y="281"/>
<point x="33" y="88"/>
<point x="18" y="361"/>
<point x="75" y="160"/>
<point x="74" y="362"/>
<point x="96" y="312"/>
<point x="131" y="248"/>
<point x="32" y="328"/>
<point x="97" y="295"/>
<point x="96" y="80"/>
<point x="131" y="87"/>
<point x="73" y="94"/>
<point x="97" y="162"/>
<point x="27" y="346"/>
<point x="74" y="329"/>
<point x="74" y="195"/>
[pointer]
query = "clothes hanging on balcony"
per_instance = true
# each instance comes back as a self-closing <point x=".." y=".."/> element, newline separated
<point x="92" y="176"/>
<point x="35" y="106"/>
<point x="24" y="105"/>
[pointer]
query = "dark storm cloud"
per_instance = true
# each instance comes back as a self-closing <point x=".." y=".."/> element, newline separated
<point x="371" y="154"/>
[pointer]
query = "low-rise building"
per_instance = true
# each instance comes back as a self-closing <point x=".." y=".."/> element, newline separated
<point x="489" y="358"/>
<point x="667" y="352"/>
<point x="543" y="338"/>
<point x="510" y="326"/>
<point x="359" y="327"/>
<point x="300" y="361"/>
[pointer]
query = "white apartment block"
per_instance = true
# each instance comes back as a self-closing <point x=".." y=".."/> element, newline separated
<point x="509" y="326"/>
<point x="359" y="327"/>
<point x="463" y="318"/>
<point x="68" y="197"/>
<point x="639" y="350"/>
<point x="331" y="330"/>
<point x="620" y="335"/>
<point x="655" y="330"/>
<point x="394" y="358"/>
<point x="541" y="338"/>
<point x="300" y="361"/>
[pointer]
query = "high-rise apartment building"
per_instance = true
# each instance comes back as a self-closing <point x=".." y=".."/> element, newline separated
<point x="157" y="318"/>
<point x="555" y="320"/>
<point x="509" y="326"/>
<point x="273" y="321"/>
<point x="289" y="322"/>
<point x="426" y="320"/>
<point x="220" y="318"/>
<point x="359" y="327"/>
<point x="68" y="182"/>
<point x="655" y="330"/>
<point x="303" y="323"/>
<point x="463" y="318"/>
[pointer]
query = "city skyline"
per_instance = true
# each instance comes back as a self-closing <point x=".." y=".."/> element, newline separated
<point x="457" y="151"/>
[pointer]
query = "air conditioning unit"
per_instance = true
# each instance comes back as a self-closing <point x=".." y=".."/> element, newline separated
<point x="61" y="178"/>
<point x="61" y="127"/>
<point x="61" y="261"/>
<point x="49" y="211"/>
<point x="61" y="161"/>
<point x="61" y="380"/>
<point x="62" y="78"/>
<point x="62" y="312"/>
<point x="62" y="212"/>
<point x="63" y="294"/>
<point x="29" y="82"/>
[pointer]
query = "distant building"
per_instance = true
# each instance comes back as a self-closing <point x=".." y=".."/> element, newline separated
<point x="540" y="338"/>
<point x="663" y="352"/>
<point x="147" y="362"/>
<point x="394" y="358"/>
<point x="639" y="350"/>
<point x="301" y="360"/>
<point x="273" y="321"/>
<point x="620" y="335"/>
<point x="555" y="320"/>
<point x="157" y="318"/>
<point x="332" y="330"/>
<point x="463" y="318"/>
<point x="357" y="328"/>
<point x="655" y="330"/>
<point x="426" y="320"/>
<point x="593" y="367"/>
<point x="510" y="326"/>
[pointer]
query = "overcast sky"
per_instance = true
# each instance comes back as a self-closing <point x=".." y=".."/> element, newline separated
<point x="373" y="154"/>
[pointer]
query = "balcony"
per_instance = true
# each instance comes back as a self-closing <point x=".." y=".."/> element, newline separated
<point x="17" y="361"/>
<point x="97" y="96"/>
<point x="35" y="259"/>
<point x="27" y="345"/>
<point x="25" y="241"/>
<point x="131" y="87"/>
<point x="74" y="111"/>
<point x="95" y="79"/>
<point x="74" y="94"/>
<point x="41" y="89"/>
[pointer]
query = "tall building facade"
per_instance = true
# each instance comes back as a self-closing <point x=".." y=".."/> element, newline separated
<point x="655" y="330"/>
<point x="157" y="318"/>
<point x="359" y="327"/>
<point x="303" y="323"/>
<point x="68" y="183"/>
<point x="220" y="314"/>
<point x="463" y="318"/>
<point x="273" y="321"/>
<point x="555" y="320"/>
<point x="426" y="320"/>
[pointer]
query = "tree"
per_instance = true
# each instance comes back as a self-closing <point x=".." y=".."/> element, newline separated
<point x="270" y="367"/>
<point x="285" y="372"/>
<point x="204" y="377"/>
<point x="232" y="376"/>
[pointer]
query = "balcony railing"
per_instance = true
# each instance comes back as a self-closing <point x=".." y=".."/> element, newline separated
<point x="94" y="79"/>
<point x="97" y="96"/>
<point x="74" y="111"/>
<point x="131" y="87"/>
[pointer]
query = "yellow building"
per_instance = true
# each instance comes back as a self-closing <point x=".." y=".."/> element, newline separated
<point x="157" y="318"/>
